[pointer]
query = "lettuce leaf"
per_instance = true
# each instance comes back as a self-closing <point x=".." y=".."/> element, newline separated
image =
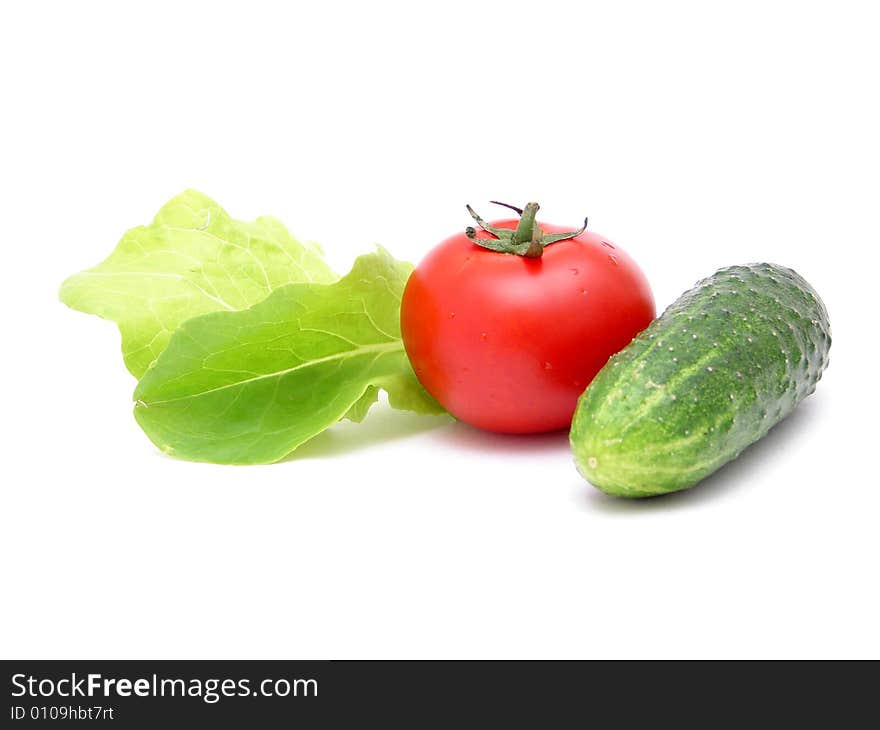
<point x="248" y="387"/>
<point x="193" y="259"/>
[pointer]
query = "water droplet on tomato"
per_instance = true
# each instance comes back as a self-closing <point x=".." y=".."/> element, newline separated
<point x="547" y="366"/>
<point x="574" y="272"/>
<point x="483" y="335"/>
<point x="452" y="315"/>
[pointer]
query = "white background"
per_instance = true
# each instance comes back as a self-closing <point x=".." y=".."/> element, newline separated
<point x="695" y="135"/>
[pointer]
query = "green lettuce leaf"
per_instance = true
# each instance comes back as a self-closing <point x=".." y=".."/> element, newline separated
<point x="249" y="387"/>
<point x="405" y="393"/>
<point x="193" y="259"/>
<point x="358" y="411"/>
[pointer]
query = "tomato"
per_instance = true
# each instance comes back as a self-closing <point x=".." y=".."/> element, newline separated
<point x="508" y="342"/>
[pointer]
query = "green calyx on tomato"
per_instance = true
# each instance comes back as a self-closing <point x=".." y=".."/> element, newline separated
<point x="528" y="239"/>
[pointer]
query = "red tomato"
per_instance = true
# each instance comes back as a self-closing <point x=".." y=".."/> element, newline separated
<point x="508" y="343"/>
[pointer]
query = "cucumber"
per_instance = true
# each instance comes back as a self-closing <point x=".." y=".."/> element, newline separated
<point x="726" y="362"/>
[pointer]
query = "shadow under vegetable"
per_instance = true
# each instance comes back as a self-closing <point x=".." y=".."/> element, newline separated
<point x="385" y="425"/>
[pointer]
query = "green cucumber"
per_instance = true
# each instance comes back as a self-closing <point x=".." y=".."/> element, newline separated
<point x="726" y="362"/>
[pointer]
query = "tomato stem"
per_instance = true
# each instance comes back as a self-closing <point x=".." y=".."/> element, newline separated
<point x="526" y="240"/>
<point x="526" y="227"/>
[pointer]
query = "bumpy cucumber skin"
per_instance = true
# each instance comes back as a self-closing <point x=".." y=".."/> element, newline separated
<point x="721" y="366"/>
